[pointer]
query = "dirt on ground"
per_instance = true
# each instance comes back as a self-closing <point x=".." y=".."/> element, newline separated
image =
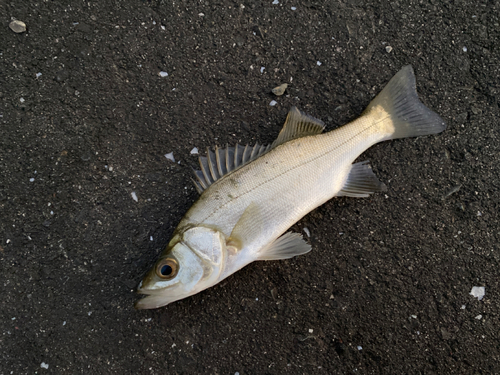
<point x="93" y="95"/>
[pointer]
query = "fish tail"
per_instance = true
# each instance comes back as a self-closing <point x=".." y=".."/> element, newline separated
<point x="399" y="110"/>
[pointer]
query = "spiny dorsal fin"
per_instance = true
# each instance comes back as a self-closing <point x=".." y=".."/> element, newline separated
<point x="219" y="163"/>
<point x="224" y="160"/>
<point x="298" y="124"/>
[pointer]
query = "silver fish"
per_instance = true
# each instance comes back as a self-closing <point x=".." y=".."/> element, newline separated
<point x="250" y="196"/>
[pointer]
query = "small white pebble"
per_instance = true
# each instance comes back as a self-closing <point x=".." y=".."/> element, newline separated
<point x="478" y="292"/>
<point x="273" y="103"/>
<point x="22" y="100"/>
<point x="170" y="156"/>
<point x="90" y="313"/>
<point x="464" y="49"/>
<point x="14" y="318"/>
<point x="32" y="179"/>
<point x="201" y="14"/>
<point x="311" y="330"/>
<point x="306" y="231"/>
<point x="276" y="2"/>
<point x="17" y="26"/>
<point x="293" y="8"/>
<point x="463" y="307"/>
<point x="38" y="75"/>
<point x="414" y="316"/>
<point x="318" y="63"/>
<point x="151" y="238"/>
<point x="134" y="196"/>
<point x="154" y="22"/>
<point x="52" y="212"/>
<point x="360" y="347"/>
<point x="64" y="323"/>
<point x="44" y="365"/>
<point x="262" y="69"/>
<point x="162" y="27"/>
<point x="110" y="168"/>
<point x="194" y="151"/>
<point x="388" y="49"/>
<point x="236" y="373"/>
<point x="256" y="299"/>
<point x="163" y="74"/>
<point x="479" y="317"/>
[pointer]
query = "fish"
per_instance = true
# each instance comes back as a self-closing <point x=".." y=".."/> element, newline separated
<point x="251" y="195"/>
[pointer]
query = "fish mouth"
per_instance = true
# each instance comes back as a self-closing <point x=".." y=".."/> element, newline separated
<point x="152" y="301"/>
<point x="155" y="299"/>
<point x="160" y="289"/>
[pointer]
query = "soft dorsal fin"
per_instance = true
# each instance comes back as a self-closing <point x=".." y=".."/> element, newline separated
<point x="298" y="124"/>
<point x="224" y="160"/>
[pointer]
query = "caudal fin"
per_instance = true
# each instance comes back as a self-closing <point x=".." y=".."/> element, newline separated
<point x="409" y="116"/>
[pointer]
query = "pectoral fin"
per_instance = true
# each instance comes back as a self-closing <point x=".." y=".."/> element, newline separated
<point x="287" y="246"/>
<point x="248" y="227"/>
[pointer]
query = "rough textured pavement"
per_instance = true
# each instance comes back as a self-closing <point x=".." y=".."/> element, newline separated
<point x="385" y="289"/>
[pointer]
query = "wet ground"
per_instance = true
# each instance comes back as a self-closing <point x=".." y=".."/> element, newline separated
<point x="86" y="120"/>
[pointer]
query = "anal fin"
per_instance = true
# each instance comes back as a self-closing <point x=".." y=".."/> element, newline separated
<point x="287" y="246"/>
<point x="361" y="182"/>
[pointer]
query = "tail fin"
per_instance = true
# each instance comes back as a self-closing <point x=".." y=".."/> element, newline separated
<point x="410" y="117"/>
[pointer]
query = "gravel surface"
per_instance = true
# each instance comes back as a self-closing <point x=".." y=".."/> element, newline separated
<point x="95" y="94"/>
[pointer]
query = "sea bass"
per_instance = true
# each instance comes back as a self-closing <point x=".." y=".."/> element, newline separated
<point x="250" y="196"/>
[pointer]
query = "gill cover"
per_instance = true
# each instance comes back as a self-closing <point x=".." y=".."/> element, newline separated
<point x="210" y="246"/>
<point x="191" y="263"/>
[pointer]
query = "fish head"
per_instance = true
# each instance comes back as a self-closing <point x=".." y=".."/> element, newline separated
<point x="192" y="261"/>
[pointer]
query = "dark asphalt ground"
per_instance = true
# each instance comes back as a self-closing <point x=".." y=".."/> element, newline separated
<point x="385" y="289"/>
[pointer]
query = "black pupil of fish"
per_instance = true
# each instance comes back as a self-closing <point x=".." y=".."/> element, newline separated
<point x="166" y="270"/>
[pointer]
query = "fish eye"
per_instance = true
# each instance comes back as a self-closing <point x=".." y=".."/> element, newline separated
<point x="167" y="269"/>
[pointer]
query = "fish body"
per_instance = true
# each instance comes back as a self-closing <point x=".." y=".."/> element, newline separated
<point x="251" y="196"/>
